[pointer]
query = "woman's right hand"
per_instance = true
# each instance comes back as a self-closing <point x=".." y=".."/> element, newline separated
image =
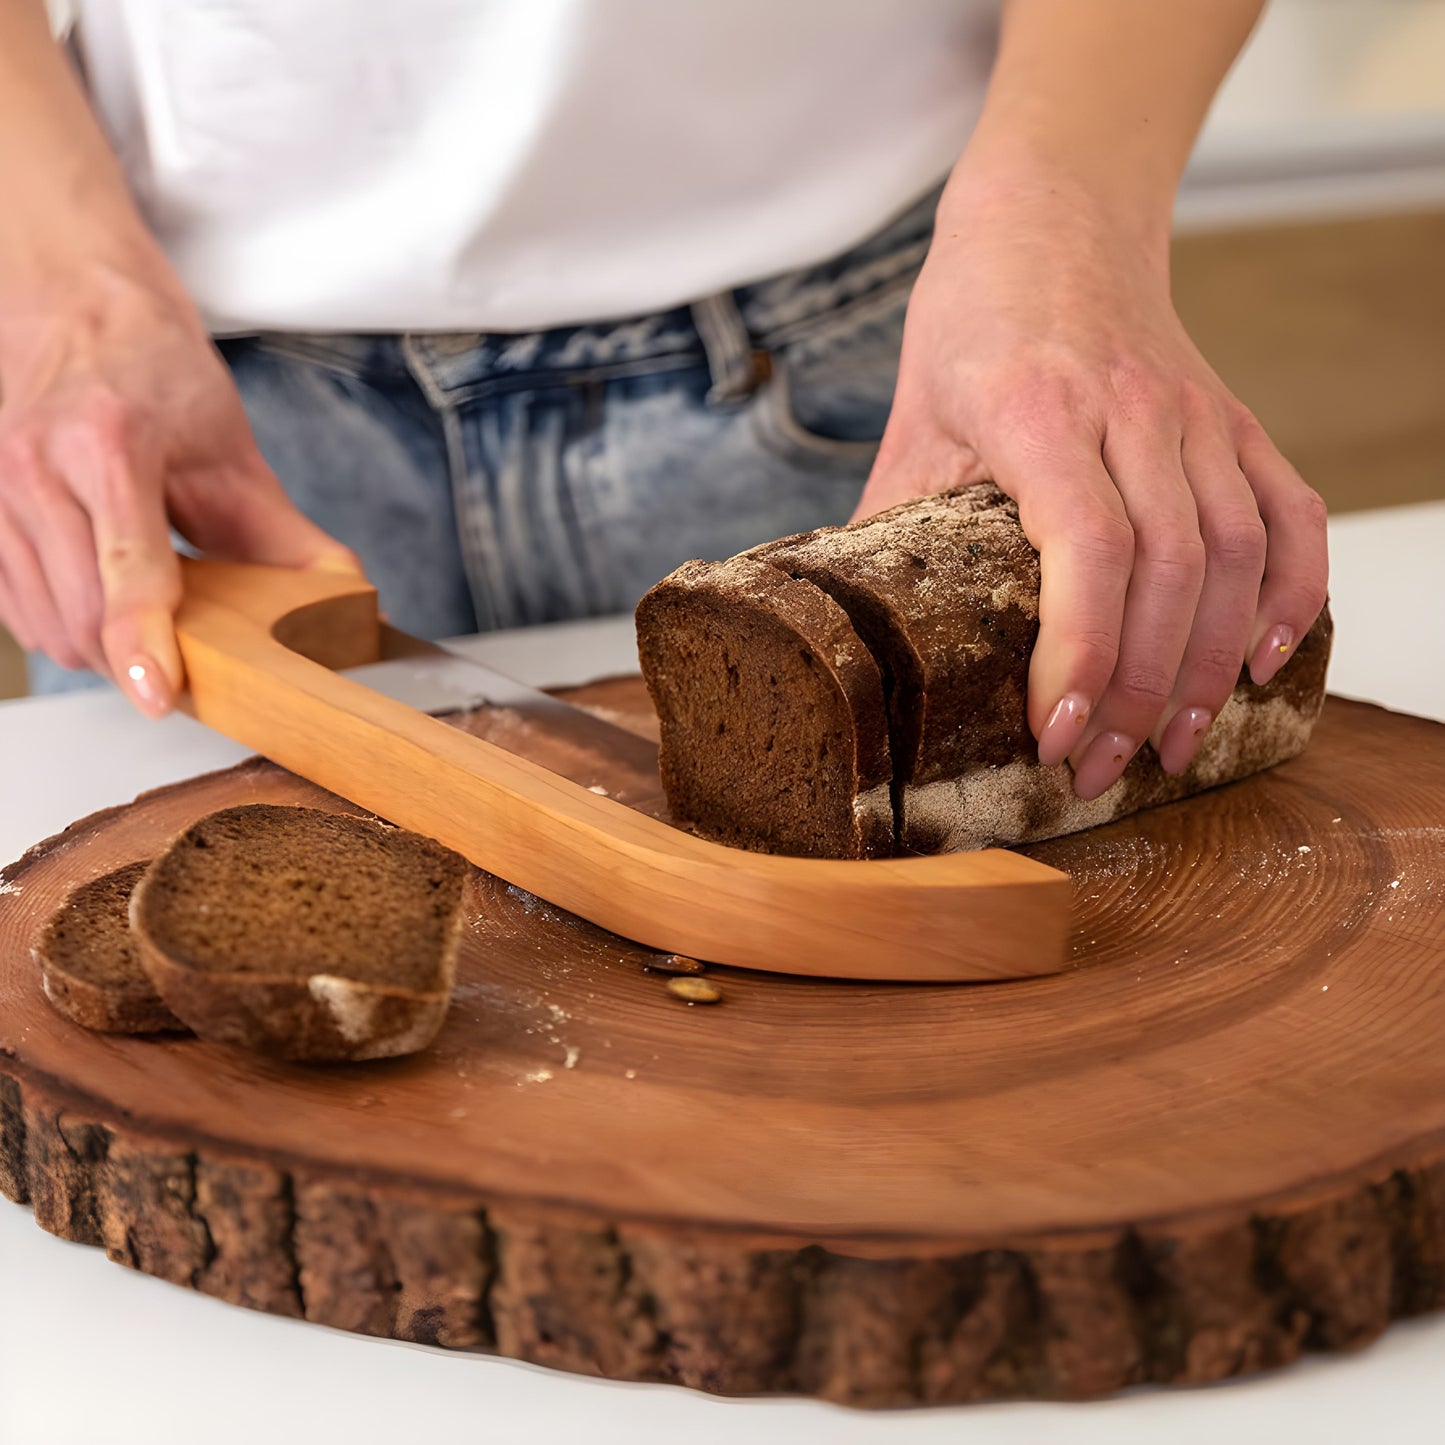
<point x="118" y="420"/>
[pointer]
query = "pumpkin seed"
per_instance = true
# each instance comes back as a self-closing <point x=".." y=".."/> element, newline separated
<point x="694" y="990"/>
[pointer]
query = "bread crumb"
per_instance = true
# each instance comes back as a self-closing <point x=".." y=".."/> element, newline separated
<point x="573" y="1054"/>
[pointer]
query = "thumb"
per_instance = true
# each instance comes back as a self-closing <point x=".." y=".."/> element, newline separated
<point x="244" y="515"/>
<point x="915" y="458"/>
<point x="140" y="579"/>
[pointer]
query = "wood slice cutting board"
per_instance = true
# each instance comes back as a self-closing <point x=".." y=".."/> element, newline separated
<point x="1218" y="1139"/>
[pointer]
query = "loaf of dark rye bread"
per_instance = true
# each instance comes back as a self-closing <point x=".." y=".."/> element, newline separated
<point x="90" y="967"/>
<point x="942" y="592"/>
<point x="304" y="934"/>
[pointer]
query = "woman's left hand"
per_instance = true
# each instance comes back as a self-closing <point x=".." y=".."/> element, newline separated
<point x="1042" y="350"/>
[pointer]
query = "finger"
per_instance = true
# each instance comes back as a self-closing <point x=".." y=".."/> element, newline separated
<point x="1296" y="569"/>
<point x="10" y="615"/>
<point x="139" y="573"/>
<point x="1234" y="553"/>
<point x="36" y="621"/>
<point x="1144" y="459"/>
<point x="244" y="514"/>
<point x="1072" y="513"/>
<point x="60" y="534"/>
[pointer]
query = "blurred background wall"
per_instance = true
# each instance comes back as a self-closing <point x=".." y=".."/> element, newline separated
<point x="1310" y="253"/>
<point x="1310" y="243"/>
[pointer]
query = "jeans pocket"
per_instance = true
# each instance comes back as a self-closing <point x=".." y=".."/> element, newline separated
<point x="827" y="399"/>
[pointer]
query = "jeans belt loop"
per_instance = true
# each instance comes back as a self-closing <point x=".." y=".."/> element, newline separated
<point x="736" y="367"/>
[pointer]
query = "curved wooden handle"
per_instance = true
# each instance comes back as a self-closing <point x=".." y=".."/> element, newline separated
<point x="259" y="643"/>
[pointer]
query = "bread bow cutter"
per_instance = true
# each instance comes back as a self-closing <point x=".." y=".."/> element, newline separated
<point x="262" y="646"/>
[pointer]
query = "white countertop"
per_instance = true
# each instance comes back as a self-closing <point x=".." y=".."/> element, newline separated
<point x="92" y="1354"/>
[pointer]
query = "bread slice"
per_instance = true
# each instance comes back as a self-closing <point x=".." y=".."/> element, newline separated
<point x="304" y="934"/>
<point x="773" y="727"/>
<point x="90" y="967"/>
<point x="943" y="591"/>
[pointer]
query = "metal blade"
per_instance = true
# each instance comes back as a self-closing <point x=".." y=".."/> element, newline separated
<point x="564" y="739"/>
<point x="435" y="680"/>
<point x="443" y="681"/>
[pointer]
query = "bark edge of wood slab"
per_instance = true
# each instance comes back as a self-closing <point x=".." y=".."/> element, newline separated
<point x="259" y="645"/>
<point x="899" y="1324"/>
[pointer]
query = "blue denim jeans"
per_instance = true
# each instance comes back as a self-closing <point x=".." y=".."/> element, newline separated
<point x="498" y="480"/>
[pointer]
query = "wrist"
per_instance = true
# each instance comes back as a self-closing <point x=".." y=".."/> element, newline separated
<point x="1022" y="187"/>
<point x="51" y="254"/>
<point x="93" y="262"/>
<point x="68" y="215"/>
<point x="83" y="299"/>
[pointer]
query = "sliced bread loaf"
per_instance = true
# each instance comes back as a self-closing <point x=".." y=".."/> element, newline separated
<point x="90" y="967"/>
<point x="304" y="934"/>
<point x="774" y="733"/>
<point x="943" y="591"/>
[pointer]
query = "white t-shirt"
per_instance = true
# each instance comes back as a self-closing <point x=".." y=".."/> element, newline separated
<point x="514" y="164"/>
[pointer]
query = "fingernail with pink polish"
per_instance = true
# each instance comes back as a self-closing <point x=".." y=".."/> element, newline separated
<point x="147" y="684"/>
<point x="1103" y="763"/>
<point x="1182" y="738"/>
<point x="1061" y="733"/>
<point x="1271" y="654"/>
